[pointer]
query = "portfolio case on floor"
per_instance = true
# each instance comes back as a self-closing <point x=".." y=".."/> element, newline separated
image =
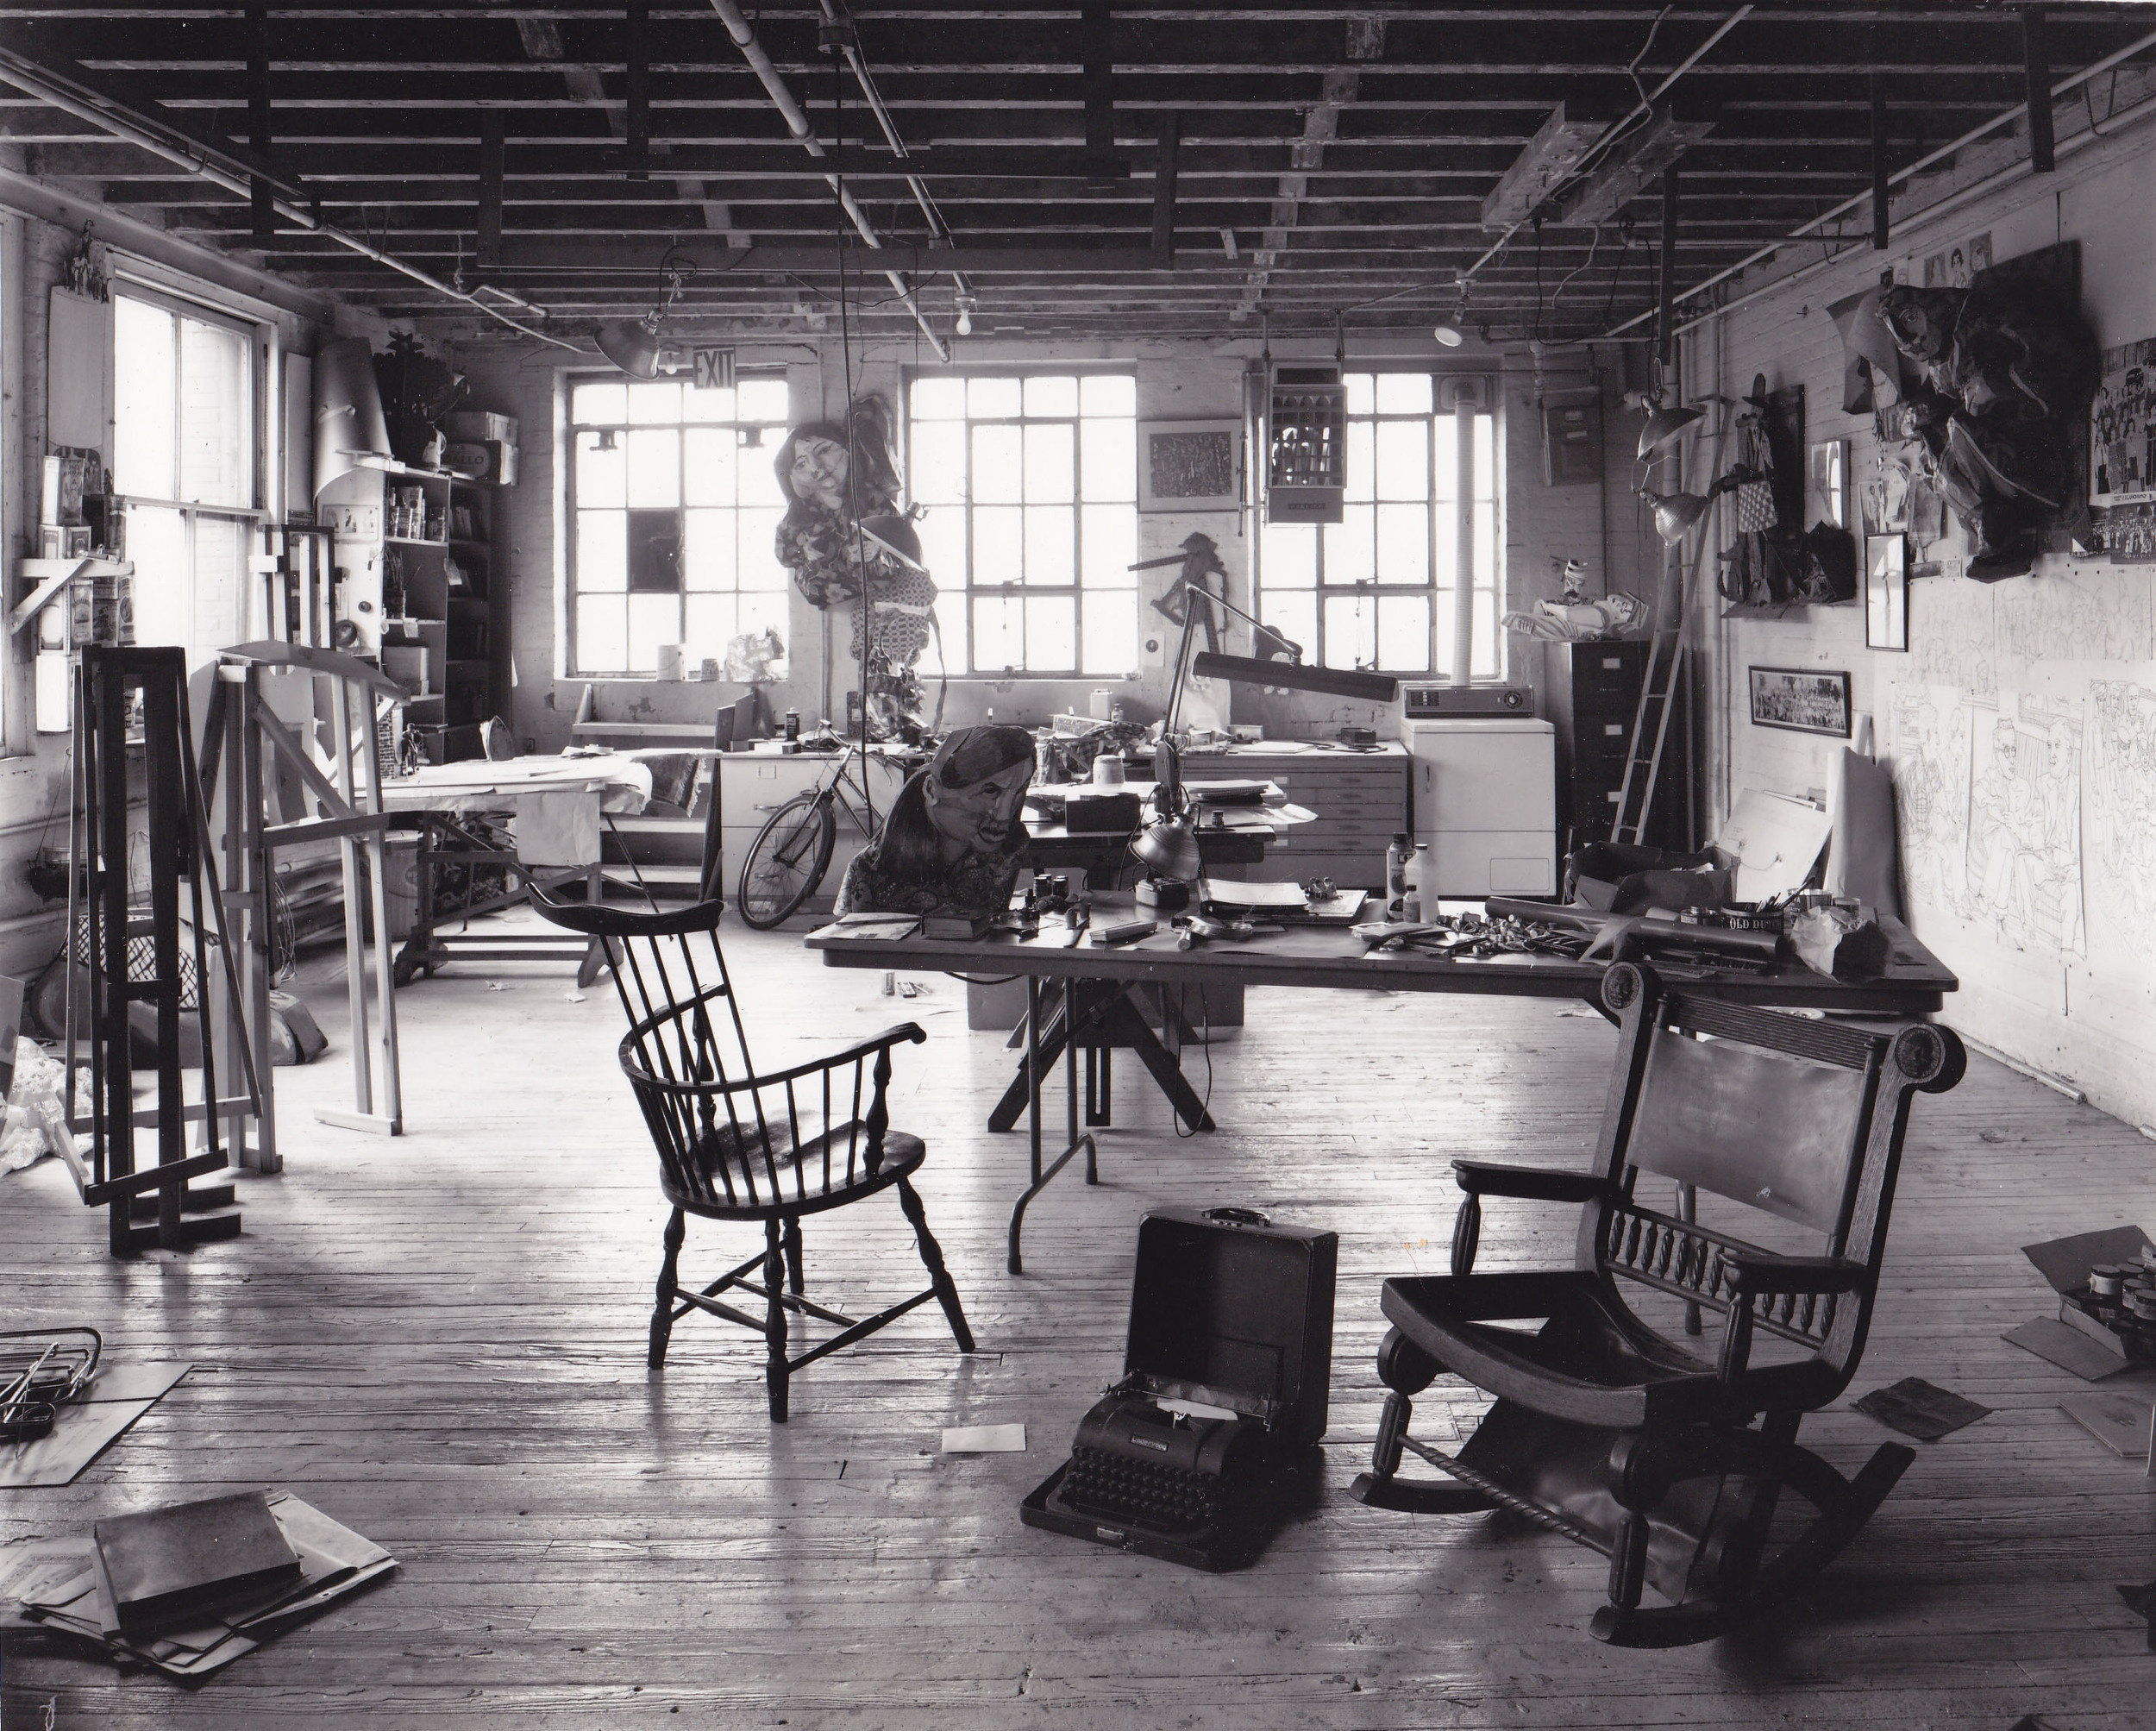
<point x="1208" y="1440"/>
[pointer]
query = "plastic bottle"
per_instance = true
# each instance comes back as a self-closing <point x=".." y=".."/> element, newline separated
<point x="1422" y="881"/>
<point x="1396" y="858"/>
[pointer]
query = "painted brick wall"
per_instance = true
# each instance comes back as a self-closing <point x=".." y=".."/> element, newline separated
<point x="2084" y="1011"/>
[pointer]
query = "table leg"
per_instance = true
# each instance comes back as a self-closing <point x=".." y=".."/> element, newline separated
<point x="1052" y="1038"/>
<point x="1036" y="1062"/>
<point x="1118" y="1021"/>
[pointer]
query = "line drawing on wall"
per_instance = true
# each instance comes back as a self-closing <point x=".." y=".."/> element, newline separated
<point x="1950" y="635"/>
<point x="2120" y="813"/>
<point x="2024" y="856"/>
<point x="2072" y="617"/>
<point x="1931" y="794"/>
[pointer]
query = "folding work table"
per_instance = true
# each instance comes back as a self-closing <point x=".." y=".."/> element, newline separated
<point x="1914" y="983"/>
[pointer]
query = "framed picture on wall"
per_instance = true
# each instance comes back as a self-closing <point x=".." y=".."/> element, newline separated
<point x="1830" y="481"/>
<point x="1886" y="592"/>
<point x="1800" y="700"/>
<point x="1189" y="464"/>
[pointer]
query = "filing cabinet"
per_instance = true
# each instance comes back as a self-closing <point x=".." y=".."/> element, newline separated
<point x="1592" y="697"/>
<point x="1360" y="799"/>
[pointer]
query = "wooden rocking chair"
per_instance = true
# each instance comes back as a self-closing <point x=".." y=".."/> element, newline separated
<point x="1616" y="1434"/>
<point x="737" y="1145"/>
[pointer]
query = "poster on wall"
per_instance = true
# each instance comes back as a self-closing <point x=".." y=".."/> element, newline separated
<point x="2121" y="441"/>
<point x="1951" y="268"/>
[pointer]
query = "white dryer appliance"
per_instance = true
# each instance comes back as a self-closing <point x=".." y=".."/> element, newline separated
<point x="1485" y="800"/>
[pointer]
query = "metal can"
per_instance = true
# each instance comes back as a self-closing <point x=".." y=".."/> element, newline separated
<point x="793" y="724"/>
<point x="1396" y="858"/>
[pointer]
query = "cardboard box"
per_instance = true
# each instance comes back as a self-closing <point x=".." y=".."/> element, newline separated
<point x="406" y="663"/>
<point x="488" y="460"/>
<point x="480" y="426"/>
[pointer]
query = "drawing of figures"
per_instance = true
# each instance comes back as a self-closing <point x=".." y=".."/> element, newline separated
<point x="2121" y="814"/>
<point x="2024" y="851"/>
<point x="1930" y="770"/>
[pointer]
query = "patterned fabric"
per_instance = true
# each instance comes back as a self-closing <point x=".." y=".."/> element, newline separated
<point x="972" y="886"/>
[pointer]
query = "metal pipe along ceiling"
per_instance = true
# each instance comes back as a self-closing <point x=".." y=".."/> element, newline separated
<point x="236" y="177"/>
<point x="745" y="38"/>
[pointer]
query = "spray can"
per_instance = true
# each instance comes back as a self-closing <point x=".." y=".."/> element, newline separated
<point x="1396" y="858"/>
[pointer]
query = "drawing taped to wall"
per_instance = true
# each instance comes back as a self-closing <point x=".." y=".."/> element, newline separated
<point x="2121" y="437"/>
<point x="2072" y="616"/>
<point x="2024" y="855"/>
<point x="1930" y="767"/>
<point x="1190" y="466"/>
<point x="1950" y="637"/>
<point x="1800" y="701"/>
<point x="2121" y="814"/>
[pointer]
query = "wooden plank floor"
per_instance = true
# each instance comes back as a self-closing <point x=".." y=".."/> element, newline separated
<point x="439" y="1340"/>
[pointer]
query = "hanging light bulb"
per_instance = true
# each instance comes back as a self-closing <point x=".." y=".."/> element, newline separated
<point x="966" y="304"/>
<point x="1449" y="334"/>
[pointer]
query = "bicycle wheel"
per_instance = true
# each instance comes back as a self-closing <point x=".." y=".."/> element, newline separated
<point x="786" y="860"/>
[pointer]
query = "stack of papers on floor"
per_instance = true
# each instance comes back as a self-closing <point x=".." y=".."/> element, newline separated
<point x="66" y="1583"/>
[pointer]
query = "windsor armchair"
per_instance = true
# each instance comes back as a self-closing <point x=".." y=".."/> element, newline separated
<point x="737" y="1145"/>
<point x="1611" y="1431"/>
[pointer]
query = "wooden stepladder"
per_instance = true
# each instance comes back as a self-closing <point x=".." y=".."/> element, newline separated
<point x="133" y="955"/>
<point x="318" y="779"/>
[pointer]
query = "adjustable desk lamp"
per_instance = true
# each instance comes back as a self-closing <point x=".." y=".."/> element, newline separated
<point x="1168" y="846"/>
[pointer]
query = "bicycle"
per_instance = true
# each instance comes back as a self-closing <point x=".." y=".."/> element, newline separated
<point x="793" y="850"/>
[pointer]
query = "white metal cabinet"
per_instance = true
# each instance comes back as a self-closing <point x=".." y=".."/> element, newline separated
<point x="752" y="785"/>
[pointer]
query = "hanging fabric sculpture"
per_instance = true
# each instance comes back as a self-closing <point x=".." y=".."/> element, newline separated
<point x="833" y="477"/>
<point x="2009" y="370"/>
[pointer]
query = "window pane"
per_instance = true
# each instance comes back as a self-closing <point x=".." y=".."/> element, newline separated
<point x="1362" y="393"/>
<point x="1485" y="459"/>
<point x="944" y="547"/>
<point x="706" y="405"/>
<point x="217" y="457"/>
<point x="1351" y="547"/>
<point x="758" y="475"/>
<point x="1485" y="543"/>
<point x="763" y="399"/>
<point x="600" y="477"/>
<point x="1445" y="634"/>
<point x="1362" y="462"/>
<point x="1051" y="396"/>
<point x="1403" y="633"/>
<point x="1051" y="553"/>
<point x="997" y="633"/>
<point x="707" y="550"/>
<point x="1485" y="665"/>
<point x="602" y="634"/>
<point x="1295" y="617"/>
<point x="998" y="464"/>
<point x="1109" y="546"/>
<point x="1351" y="631"/>
<point x="602" y="555"/>
<point x="1448" y="545"/>
<point x="656" y="403"/>
<point x="1403" y="543"/>
<point x="1111" y="629"/>
<point x="758" y="561"/>
<point x="157" y="542"/>
<point x="220" y="602"/>
<point x="937" y="471"/>
<point x="939" y="399"/>
<point x="1050" y="472"/>
<point x="992" y="398"/>
<point x="1107" y="453"/>
<point x="1288" y="556"/>
<point x="653" y="620"/>
<point x="1403" y="393"/>
<point x="999" y="548"/>
<point x="655" y="467"/>
<point x="1446" y="459"/>
<point x="1108" y="394"/>
<point x="711" y="457"/>
<point x="598" y="405"/>
<point x="1051" y="632"/>
<point x="144" y="373"/>
<point x="1403" y="460"/>
<point x="707" y="626"/>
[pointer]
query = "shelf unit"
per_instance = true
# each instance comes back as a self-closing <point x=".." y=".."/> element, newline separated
<point x="427" y="579"/>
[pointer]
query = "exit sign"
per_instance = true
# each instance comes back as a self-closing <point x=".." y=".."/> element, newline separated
<point x="714" y="369"/>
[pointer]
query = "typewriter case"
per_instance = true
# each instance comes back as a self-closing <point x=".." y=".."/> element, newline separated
<point x="1227" y="1311"/>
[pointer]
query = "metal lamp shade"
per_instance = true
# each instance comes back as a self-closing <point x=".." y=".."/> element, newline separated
<point x="631" y="345"/>
<point x="894" y="535"/>
<point x="1663" y="427"/>
<point x="1168" y="849"/>
<point x="1674" y="513"/>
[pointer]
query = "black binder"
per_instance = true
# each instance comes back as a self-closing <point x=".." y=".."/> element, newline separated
<point x="1232" y="1315"/>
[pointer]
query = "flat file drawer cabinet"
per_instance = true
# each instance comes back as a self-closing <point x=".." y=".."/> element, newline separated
<point x="1360" y="799"/>
<point x="1593" y="700"/>
<point x="752" y="785"/>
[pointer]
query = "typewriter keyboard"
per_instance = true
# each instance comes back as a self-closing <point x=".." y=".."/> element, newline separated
<point x="1167" y="1499"/>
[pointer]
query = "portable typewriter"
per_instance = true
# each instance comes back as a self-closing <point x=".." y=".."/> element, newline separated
<point x="1209" y="1437"/>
